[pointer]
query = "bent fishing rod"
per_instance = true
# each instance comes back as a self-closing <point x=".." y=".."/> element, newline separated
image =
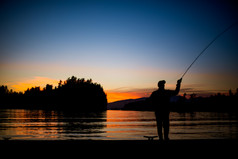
<point x="228" y="28"/>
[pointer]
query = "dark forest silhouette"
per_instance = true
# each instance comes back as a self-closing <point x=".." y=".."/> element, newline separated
<point x="217" y="102"/>
<point x="72" y="94"/>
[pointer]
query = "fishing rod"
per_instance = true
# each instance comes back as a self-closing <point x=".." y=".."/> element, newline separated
<point x="208" y="47"/>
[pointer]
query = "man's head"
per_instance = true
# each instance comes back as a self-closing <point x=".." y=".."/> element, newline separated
<point x="161" y="84"/>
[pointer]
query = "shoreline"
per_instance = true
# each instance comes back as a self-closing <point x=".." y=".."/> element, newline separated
<point x="214" y="142"/>
<point x="122" y="148"/>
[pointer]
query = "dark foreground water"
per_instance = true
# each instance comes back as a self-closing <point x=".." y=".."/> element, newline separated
<point x="21" y="124"/>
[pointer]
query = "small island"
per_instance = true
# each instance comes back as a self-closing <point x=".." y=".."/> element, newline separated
<point x="72" y="94"/>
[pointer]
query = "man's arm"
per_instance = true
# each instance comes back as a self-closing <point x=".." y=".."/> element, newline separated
<point x="178" y="87"/>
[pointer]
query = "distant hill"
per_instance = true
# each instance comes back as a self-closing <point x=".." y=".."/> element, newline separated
<point x="120" y="104"/>
<point x="218" y="102"/>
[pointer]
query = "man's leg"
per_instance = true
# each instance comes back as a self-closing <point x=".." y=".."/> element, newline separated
<point x="159" y="125"/>
<point x="166" y="127"/>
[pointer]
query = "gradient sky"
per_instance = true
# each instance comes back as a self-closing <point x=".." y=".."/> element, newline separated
<point x="125" y="45"/>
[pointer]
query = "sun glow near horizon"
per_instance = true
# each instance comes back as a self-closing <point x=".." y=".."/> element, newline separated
<point x="36" y="81"/>
<point x="120" y="93"/>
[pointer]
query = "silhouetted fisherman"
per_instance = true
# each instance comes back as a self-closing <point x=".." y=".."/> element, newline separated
<point x="160" y="100"/>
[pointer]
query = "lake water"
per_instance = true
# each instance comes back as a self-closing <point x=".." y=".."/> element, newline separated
<point x="21" y="124"/>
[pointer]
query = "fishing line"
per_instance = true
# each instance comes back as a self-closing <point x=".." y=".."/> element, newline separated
<point x="208" y="47"/>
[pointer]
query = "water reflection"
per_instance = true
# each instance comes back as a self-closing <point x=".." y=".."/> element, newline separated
<point x="130" y="125"/>
<point x="42" y="124"/>
<point x="204" y="125"/>
<point x="83" y="125"/>
<point x="112" y="125"/>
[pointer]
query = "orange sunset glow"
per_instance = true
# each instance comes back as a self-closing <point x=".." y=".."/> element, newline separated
<point x="116" y="96"/>
<point x="41" y="82"/>
<point x="112" y="95"/>
<point x="122" y="93"/>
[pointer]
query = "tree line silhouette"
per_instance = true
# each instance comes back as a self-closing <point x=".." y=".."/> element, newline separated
<point x="218" y="102"/>
<point x="72" y="94"/>
<point x="80" y="94"/>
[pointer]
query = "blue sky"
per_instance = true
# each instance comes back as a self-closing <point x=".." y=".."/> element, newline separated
<point x="129" y="44"/>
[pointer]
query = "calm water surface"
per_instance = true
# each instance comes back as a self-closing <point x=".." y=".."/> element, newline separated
<point x="21" y="124"/>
